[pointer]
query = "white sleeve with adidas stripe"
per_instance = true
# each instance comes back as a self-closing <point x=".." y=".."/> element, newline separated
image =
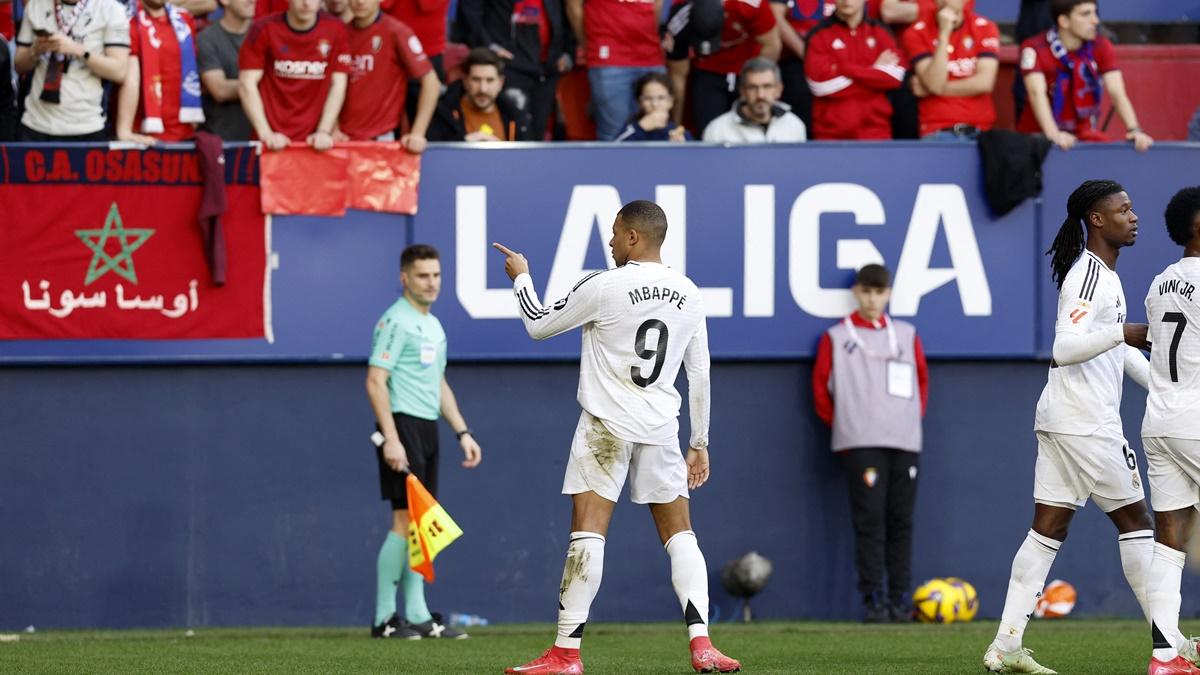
<point x="581" y="305"/>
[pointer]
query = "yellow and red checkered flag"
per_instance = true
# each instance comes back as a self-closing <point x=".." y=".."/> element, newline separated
<point x="430" y="528"/>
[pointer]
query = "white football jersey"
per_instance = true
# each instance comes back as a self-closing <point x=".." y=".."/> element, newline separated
<point x="640" y="322"/>
<point x="1173" y="406"/>
<point x="1080" y="398"/>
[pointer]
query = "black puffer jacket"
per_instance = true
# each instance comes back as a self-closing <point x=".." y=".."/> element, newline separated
<point x="489" y="22"/>
<point x="447" y="123"/>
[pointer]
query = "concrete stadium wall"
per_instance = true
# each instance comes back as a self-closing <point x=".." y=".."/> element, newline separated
<point x="239" y="495"/>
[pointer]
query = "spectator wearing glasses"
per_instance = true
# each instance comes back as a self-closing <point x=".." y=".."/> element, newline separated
<point x="758" y="116"/>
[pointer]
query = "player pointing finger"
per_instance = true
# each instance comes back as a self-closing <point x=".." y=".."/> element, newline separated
<point x="515" y="264"/>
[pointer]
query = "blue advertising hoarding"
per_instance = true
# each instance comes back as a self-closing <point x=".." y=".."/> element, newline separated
<point x="770" y="233"/>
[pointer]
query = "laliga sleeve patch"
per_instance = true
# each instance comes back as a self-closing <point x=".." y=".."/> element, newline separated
<point x="1028" y="58"/>
<point x="414" y="44"/>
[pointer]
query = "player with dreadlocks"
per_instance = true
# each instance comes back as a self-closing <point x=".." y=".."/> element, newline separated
<point x="1082" y="452"/>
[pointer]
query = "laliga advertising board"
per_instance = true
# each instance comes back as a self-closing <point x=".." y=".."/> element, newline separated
<point x="772" y="235"/>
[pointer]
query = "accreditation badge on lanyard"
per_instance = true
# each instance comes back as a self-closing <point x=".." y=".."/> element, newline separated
<point x="428" y="354"/>
<point x="899" y="374"/>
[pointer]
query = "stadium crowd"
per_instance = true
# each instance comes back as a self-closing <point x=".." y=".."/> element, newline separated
<point x="738" y="71"/>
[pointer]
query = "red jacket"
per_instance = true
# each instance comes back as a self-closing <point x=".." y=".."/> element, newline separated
<point x="823" y="369"/>
<point x="849" y="90"/>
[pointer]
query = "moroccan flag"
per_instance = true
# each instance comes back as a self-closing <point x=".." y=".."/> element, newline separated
<point x="430" y="528"/>
<point x="99" y="244"/>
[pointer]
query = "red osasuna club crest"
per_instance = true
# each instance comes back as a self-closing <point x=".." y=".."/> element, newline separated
<point x="376" y="43"/>
<point x="323" y="47"/>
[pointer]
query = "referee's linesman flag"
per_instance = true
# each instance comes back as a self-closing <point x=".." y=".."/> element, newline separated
<point x="430" y="528"/>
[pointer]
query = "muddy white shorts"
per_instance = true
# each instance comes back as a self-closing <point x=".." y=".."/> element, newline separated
<point x="1173" y="469"/>
<point x="1070" y="469"/>
<point x="600" y="462"/>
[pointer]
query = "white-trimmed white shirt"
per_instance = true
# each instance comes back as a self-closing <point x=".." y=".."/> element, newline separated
<point x="1083" y="389"/>
<point x="641" y="322"/>
<point x="1173" y="406"/>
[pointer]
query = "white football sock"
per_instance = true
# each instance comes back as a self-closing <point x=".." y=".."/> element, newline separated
<point x="1030" y="567"/>
<point x="689" y="576"/>
<point x="580" y="581"/>
<point x="1137" y="550"/>
<point x="1162" y="590"/>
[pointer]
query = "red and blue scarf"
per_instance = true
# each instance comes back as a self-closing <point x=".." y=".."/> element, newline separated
<point x="1079" y="78"/>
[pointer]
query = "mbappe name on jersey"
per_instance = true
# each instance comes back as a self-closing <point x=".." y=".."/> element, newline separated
<point x="1177" y="286"/>
<point x="668" y="295"/>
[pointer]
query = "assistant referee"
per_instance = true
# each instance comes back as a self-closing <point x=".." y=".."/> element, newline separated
<point x="407" y="386"/>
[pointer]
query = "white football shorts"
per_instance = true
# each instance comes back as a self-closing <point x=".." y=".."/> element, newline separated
<point x="600" y="461"/>
<point x="1173" y="469"/>
<point x="1070" y="469"/>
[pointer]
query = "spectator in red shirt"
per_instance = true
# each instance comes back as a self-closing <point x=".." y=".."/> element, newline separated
<point x="7" y="28"/>
<point x="954" y="59"/>
<point x="160" y="96"/>
<point x="620" y="43"/>
<point x="900" y="16"/>
<point x="852" y="63"/>
<point x="385" y="53"/>
<point x="748" y="31"/>
<point x="1066" y="71"/>
<point x="340" y="9"/>
<point x="265" y="8"/>
<point x="533" y="38"/>
<point x="426" y="18"/>
<point x="795" y="19"/>
<point x="290" y="62"/>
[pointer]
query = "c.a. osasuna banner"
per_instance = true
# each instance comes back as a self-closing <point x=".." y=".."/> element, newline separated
<point x="100" y="244"/>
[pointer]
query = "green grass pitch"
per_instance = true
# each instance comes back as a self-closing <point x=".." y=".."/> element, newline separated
<point x="1086" y="647"/>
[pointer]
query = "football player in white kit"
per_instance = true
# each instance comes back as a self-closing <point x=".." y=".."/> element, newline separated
<point x="1171" y="430"/>
<point x="1082" y="452"/>
<point x="641" y="321"/>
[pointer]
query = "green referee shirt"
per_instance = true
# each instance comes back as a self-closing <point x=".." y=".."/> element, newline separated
<point x="411" y="346"/>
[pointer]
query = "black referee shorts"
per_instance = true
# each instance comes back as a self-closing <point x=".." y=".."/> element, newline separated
<point x="420" y="440"/>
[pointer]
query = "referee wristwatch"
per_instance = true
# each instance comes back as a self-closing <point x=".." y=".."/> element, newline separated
<point x="464" y="432"/>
